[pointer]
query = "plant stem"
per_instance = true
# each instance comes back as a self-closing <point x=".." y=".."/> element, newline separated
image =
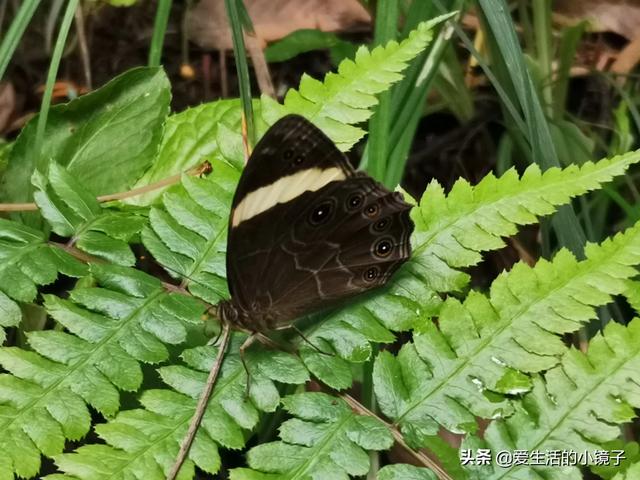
<point x="159" y="30"/>
<point x="242" y="67"/>
<point x="543" y="34"/>
<point x="420" y="457"/>
<point x="386" y="29"/>
<point x="202" y="404"/>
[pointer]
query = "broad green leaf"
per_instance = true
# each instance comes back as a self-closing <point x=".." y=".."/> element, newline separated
<point x="302" y="41"/>
<point x="190" y="137"/>
<point x="106" y="139"/>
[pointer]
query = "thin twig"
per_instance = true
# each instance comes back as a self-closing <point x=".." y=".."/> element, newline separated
<point x="245" y="139"/>
<point x="420" y="457"/>
<point x="165" y="182"/>
<point x="202" y="404"/>
<point x="84" y="48"/>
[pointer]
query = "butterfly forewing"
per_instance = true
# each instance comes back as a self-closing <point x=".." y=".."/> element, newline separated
<point x="306" y="234"/>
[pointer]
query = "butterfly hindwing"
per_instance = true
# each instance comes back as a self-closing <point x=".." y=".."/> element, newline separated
<point x="346" y="236"/>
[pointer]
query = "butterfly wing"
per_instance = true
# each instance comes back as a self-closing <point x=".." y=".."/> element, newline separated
<point x="293" y="156"/>
<point x="334" y="238"/>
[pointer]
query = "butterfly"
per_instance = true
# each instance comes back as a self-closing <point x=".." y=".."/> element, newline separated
<point x="306" y="231"/>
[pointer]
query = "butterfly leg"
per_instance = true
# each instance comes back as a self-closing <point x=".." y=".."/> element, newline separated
<point x="262" y="338"/>
<point x="246" y="344"/>
<point x="309" y="342"/>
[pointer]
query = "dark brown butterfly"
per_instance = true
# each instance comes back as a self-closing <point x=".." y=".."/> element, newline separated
<point x="306" y="230"/>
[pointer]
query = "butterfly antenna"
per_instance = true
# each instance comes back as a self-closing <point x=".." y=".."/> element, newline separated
<point x="202" y="404"/>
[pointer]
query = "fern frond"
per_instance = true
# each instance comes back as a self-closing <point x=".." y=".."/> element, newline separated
<point x="145" y="441"/>
<point x="452" y="230"/>
<point x="577" y="406"/>
<point x="112" y="328"/>
<point x="484" y="346"/>
<point x="189" y="235"/>
<point x="630" y="473"/>
<point x="26" y="261"/>
<point x="348" y="96"/>
<point x="400" y="471"/>
<point x="325" y="439"/>
<point x="73" y="211"/>
<point x="632" y="293"/>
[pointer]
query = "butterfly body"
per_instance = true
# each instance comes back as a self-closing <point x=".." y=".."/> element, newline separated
<point x="306" y="230"/>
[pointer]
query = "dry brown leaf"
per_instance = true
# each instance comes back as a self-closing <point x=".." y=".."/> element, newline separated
<point x="7" y="104"/>
<point x="617" y="16"/>
<point x="273" y="19"/>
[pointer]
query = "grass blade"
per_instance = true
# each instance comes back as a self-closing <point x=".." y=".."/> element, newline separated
<point x="58" y="50"/>
<point x="234" y="11"/>
<point x="386" y="29"/>
<point x="513" y="73"/>
<point x="14" y="34"/>
<point x="159" y="30"/>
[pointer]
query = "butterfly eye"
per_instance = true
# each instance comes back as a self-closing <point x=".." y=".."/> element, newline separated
<point x="381" y="225"/>
<point x="372" y="210"/>
<point x="321" y="213"/>
<point x="355" y="201"/>
<point x="371" y="274"/>
<point x="383" y="248"/>
<point x="298" y="160"/>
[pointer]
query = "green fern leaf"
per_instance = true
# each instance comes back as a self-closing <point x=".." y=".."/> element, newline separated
<point x="484" y="346"/>
<point x="632" y="293"/>
<point x="26" y="261"/>
<point x="608" y="470"/>
<point x="632" y="473"/>
<point x="324" y="440"/>
<point x="558" y="414"/>
<point x="348" y="96"/>
<point x="453" y="230"/>
<point x="10" y="315"/>
<point x="189" y="235"/>
<point x="112" y="328"/>
<point x="144" y="442"/>
<point x="72" y="211"/>
<point x="401" y="471"/>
